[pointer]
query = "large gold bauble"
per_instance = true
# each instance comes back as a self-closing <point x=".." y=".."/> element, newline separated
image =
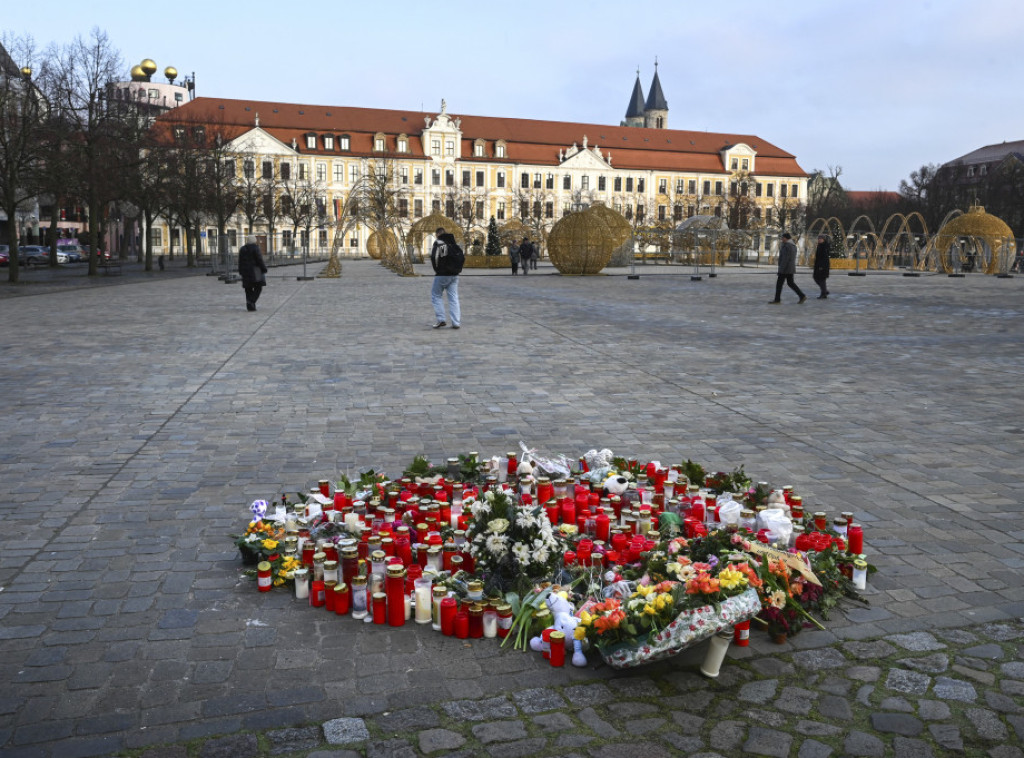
<point x="381" y="244"/>
<point x="581" y="244"/>
<point x="171" y="73"/>
<point x="148" y="66"/>
<point x="138" y="75"/>
<point x="621" y="230"/>
<point x="991" y="231"/>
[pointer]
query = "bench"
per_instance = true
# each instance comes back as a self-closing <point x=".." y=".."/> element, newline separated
<point x="111" y="266"/>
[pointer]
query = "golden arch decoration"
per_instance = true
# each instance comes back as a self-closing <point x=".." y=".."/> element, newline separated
<point x="580" y="244"/>
<point x="428" y="225"/>
<point x="382" y="245"/>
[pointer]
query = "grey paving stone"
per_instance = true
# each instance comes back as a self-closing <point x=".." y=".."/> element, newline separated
<point x="917" y="642"/>
<point x="760" y="691"/>
<point x="905" y="747"/>
<point x="936" y="663"/>
<point x="986" y="724"/>
<point x="814" y="749"/>
<point x="588" y="694"/>
<point x="236" y="746"/>
<point x="933" y="710"/>
<point x="908" y="682"/>
<point x="345" y="731"/>
<point x="538" y="700"/>
<point x="896" y="723"/>
<point x="390" y="749"/>
<point x="407" y="720"/>
<point x="818" y="660"/>
<point x="290" y="740"/>
<point x="553" y="722"/>
<point x="771" y="742"/>
<point x="817" y="729"/>
<point x="947" y="736"/>
<point x="434" y="740"/>
<point x="631" y="750"/>
<point x="862" y="744"/>
<point x="688" y="723"/>
<point x="946" y="688"/>
<point x="728" y="735"/>
<point x="480" y="710"/>
<point x="499" y="731"/>
<point x="834" y="707"/>
<point x="597" y="724"/>
<point x="898" y="704"/>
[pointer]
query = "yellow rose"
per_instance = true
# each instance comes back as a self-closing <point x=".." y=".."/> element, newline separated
<point x="269" y="544"/>
<point x="579" y="633"/>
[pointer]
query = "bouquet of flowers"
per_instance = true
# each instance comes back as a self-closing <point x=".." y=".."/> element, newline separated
<point x="260" y="540"/>
<point x="513" y="546"/>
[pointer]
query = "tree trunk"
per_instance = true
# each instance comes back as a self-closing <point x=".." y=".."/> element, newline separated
<point x="148" y="239"/>
<point x="14" y="264"/>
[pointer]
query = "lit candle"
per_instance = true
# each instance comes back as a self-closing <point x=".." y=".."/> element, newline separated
<point x="301" y="577"/>
<point x="490" y="623"/>
<point x="860" y="574"/>
<point x="424" y="600"/>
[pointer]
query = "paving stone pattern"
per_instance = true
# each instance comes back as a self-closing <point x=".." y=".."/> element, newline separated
<point x="141" y="417"/>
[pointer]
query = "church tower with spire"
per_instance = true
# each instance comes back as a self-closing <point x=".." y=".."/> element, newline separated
<point x="635" y="111"/>
<point x="656" y="108"/>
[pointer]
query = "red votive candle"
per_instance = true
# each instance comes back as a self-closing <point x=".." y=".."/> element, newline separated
<point x="741" y="634"/>
<point x="568" y="511"/>
<point x="316" y="594"/>
<point x="462" y="625"/>
<point x="395" y="590"/>
<point x="557" y="642"/>
<point x="449" y="610"/>
<point x="551" y="508"/>
<point x="264" y="576"/>
<point x="329" y="595"/>
<point x="569" y="558"/>
<point x="380" y="608"/>
<point x="603" y="526"/>
<point x="855" y="535"/>
<point x="342" y="599"/>
<point x="325" y="487"/>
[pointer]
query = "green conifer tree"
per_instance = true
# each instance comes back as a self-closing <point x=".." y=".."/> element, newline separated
<point x="493" y="240"/>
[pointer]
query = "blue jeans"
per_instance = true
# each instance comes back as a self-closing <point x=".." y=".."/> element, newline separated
<point x="449" y="284"/>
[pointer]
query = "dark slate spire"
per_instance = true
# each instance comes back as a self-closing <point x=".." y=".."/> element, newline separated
<point x="636" y="100"/>
<point x="656" y="98"/>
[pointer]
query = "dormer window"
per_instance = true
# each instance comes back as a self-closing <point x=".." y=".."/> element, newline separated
<point x="499" y="149"/>
<point x="983" y="169"/>
<point x="970" y="171"/>
<point x="344" y="142"/>
<point x="403" y="143"/>
<point x="479" y="149"/>
<point x="311" y="142"/>
<point x="735" y="164"/>
<point x="379" y="143"/>
<point x="328" y="142"/>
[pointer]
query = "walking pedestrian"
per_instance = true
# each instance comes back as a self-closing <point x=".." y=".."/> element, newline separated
<point x="525" y="253"/>
<point x="513" y="256"/>
<point x="787" y="269"/>
<point x="447" y="259"/>
<point x="253" y="271"/>
<point x="822" y="254"/>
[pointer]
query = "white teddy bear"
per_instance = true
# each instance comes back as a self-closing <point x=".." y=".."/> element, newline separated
<point x="566" y="623"/>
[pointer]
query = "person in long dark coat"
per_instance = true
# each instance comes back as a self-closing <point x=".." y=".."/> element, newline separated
<point x="513" y="257"/>
<point x="253" y="271"/>
<point x="822" y="256"/>
<point x="787" y="269"/>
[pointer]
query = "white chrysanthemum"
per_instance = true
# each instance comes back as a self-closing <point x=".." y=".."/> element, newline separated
<point x="489" y="496"/>
<point x="522" y="554"/>
<point x="523" y="520"/>
<point x="496" y="545"/>
<point x="541" y="554"/>
<point x="480" y="508"/>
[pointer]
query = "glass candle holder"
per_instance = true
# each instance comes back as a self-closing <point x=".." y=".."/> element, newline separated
<point x="359" y="610"/>
<point x="449" y="607"/>
<point x="342" y="599"/>
<point x="490" y="623"/>
<point x="423" y="593"/>
<point x="380" y="608"/>
<point x="264" y="578"/>
<point x="301" y="577"/>
<point x="860" y="574"/>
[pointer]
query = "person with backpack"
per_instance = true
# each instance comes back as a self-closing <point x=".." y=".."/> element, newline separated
<point x="447" y="260"/>
<point x="525" y="254"/>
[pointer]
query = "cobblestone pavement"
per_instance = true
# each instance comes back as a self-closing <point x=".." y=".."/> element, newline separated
<point x="140" y="420"/>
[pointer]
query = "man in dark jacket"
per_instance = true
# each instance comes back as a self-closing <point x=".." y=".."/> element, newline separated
<point x="525" y="254"/>
<point x="447" y="266"/>
<point x="822" y="255"/>
<point x="787" y="269"/>
<point x="253" y="271"/>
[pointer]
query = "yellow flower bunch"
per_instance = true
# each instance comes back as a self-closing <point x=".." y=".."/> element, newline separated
<point x="269" y="544"/>
<point x="730" y="579"/>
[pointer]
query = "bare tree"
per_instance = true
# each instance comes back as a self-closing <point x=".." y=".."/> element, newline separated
<point x="22" y="111"/>
<point x="379" y="206"/>
<point x="77" y="88"/>
<point x="303" y="202"/>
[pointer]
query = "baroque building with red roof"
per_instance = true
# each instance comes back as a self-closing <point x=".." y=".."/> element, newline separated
<point x="471" y="168"/>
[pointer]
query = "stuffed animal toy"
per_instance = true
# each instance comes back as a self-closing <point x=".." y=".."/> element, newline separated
<point x="524" y="469"/>
<point x="566" y="623"/>
<point x="616" y="484"/>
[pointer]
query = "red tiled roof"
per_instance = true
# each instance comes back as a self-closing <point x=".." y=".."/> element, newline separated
<point x="527" y="141"/>
<point x="859" y="197"/>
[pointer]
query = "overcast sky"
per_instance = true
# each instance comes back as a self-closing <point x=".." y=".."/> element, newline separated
<point x="876" y="87"/>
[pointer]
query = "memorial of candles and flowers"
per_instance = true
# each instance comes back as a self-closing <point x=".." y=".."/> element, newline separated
<point x="632" y="559"/>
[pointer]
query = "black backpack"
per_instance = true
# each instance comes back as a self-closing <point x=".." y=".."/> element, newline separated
<point x="450" y="258"/>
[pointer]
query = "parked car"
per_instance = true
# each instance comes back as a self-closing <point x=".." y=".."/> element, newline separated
<point x="35" y="255"/>
<point x="5" y="255"/>
<point x="75" y="253"/>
